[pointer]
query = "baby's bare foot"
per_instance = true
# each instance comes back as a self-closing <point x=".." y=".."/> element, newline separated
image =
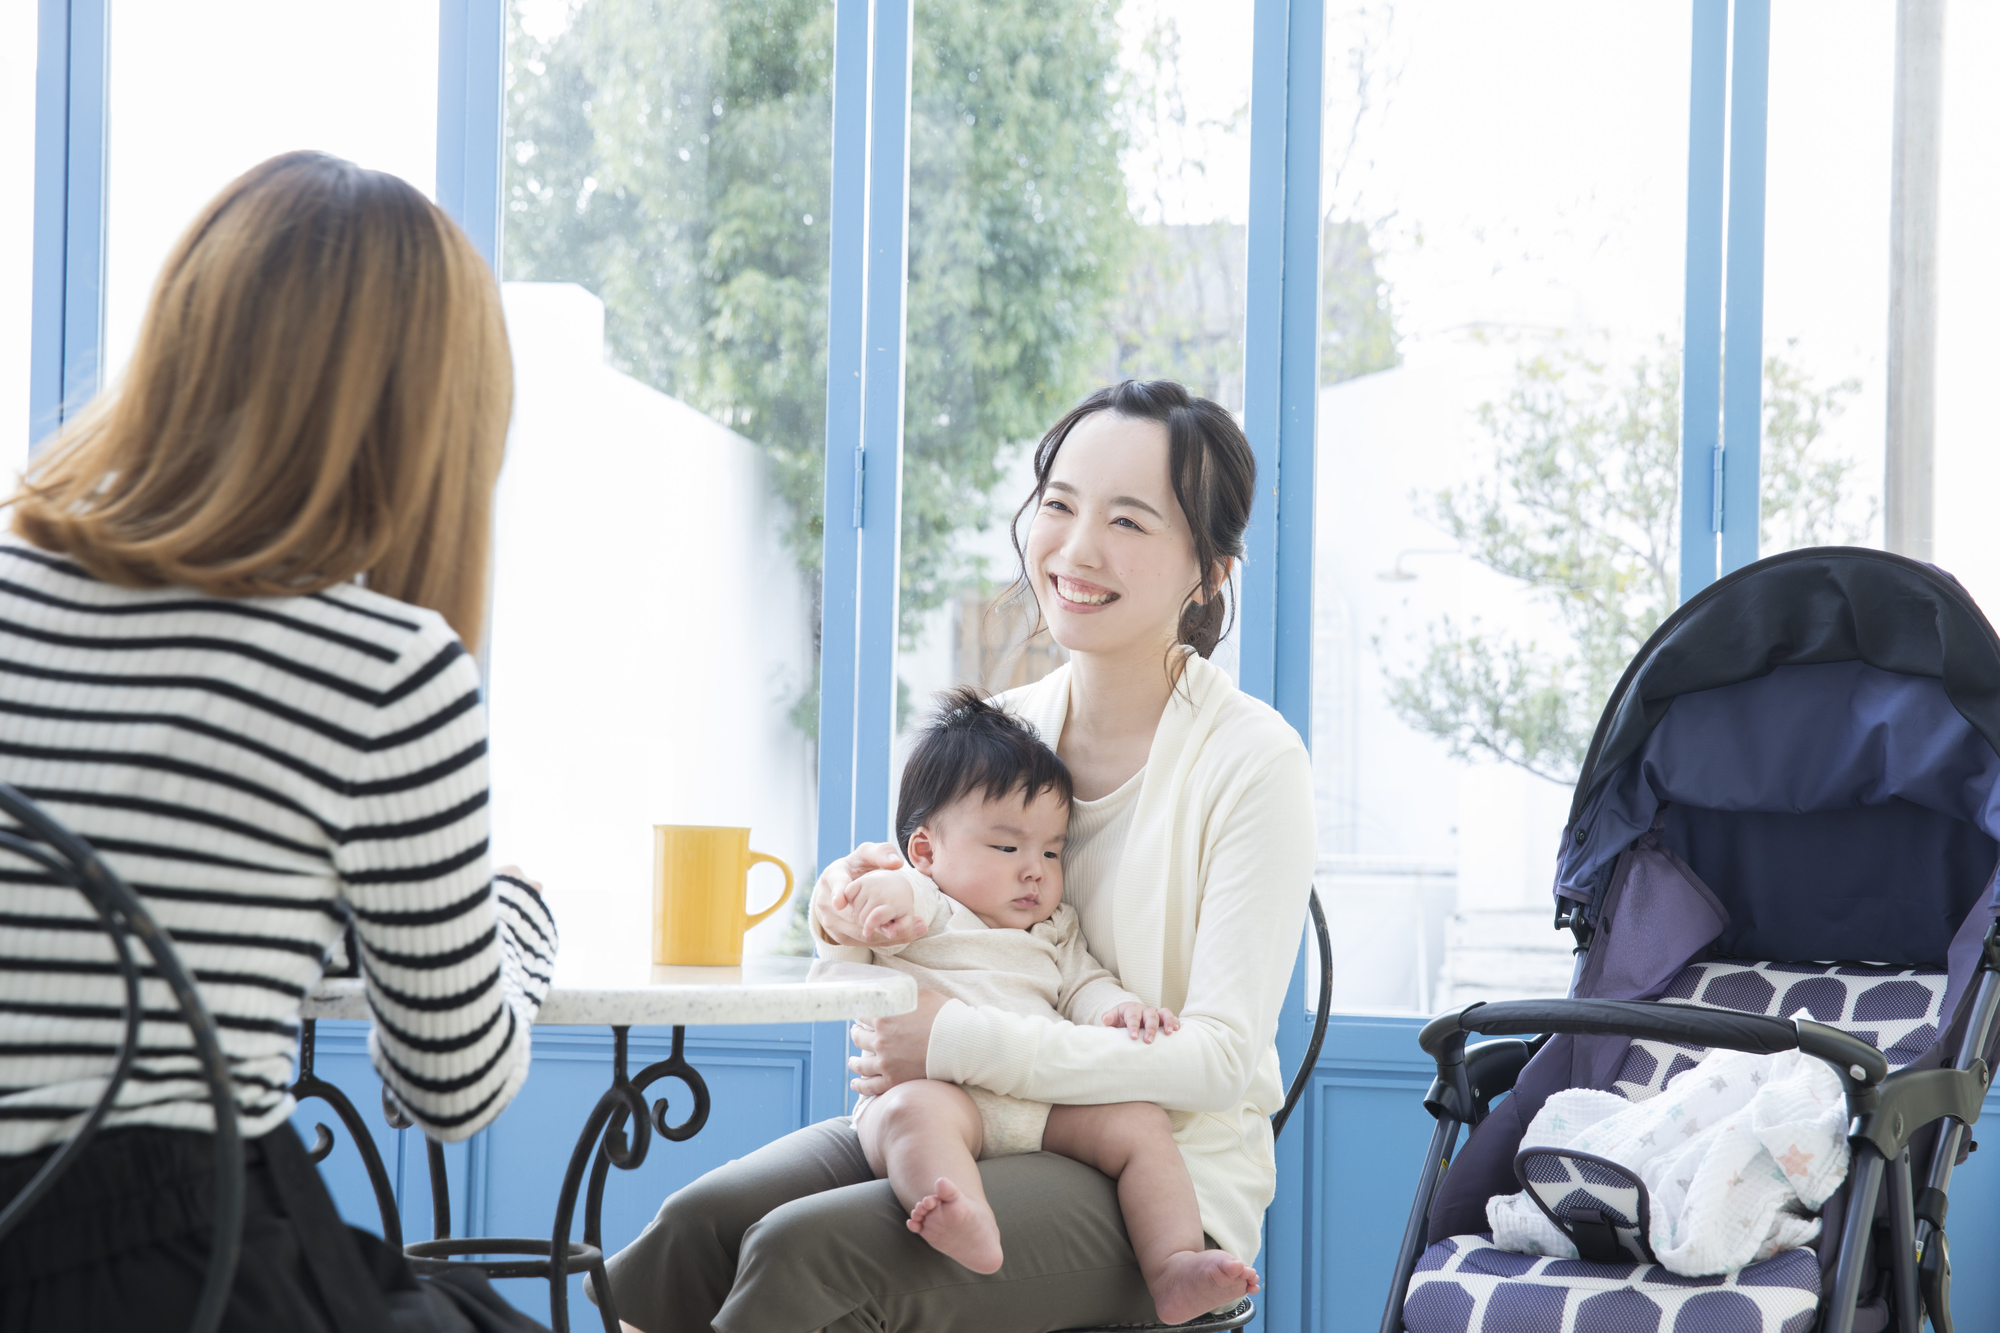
<point x="958" y="1226"/>
<point x="1194" y="1282"/>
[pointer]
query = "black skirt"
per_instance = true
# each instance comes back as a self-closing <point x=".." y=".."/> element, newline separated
<point x="122" y="1243"/>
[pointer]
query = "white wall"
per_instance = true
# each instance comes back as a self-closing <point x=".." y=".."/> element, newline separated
<point x="650" y="632"/>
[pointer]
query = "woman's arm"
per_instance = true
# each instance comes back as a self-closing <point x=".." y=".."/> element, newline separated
<point x="456" y="959"/>
<point x="1253" y="909"/>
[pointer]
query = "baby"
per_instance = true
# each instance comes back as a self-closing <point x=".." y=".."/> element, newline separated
<point x="982" y="819"/>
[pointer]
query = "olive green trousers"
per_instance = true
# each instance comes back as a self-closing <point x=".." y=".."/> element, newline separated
<point x="800" y="1236"/>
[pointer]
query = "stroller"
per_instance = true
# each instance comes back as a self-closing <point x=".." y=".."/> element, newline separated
<point x="1783" y="838"/>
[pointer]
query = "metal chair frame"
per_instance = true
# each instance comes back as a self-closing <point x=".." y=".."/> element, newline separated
<point x="75" y="864"/>
<point x="1246" y="1309"/>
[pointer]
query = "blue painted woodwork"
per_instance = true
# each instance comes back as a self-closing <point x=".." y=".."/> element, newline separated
<point x="846" y="320"/>
<point x="472" y="66"/>
<point x="882" y="412"/>
<point x="505" y="1179"/>
<point x="1701" y="337"/>
<point x="1280" y="416"/>
<point x="67" y="331"/>
<point x="1361" y="1133"/>
<point x="1743" y="295"/>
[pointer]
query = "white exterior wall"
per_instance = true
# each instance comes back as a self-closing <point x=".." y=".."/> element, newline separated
<point x="650" y="633"/>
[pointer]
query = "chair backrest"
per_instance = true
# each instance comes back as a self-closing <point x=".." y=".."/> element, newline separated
<point x="1305" y="1068"/>
<point x="67" y="857"/>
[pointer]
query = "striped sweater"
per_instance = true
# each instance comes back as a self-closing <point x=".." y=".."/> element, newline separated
<point x="261" y="771"/>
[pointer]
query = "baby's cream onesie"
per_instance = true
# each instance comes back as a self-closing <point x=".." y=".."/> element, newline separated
<point x="1044" y="971"/>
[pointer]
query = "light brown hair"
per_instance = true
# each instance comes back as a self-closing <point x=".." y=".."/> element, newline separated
<point x="320" y="391"/>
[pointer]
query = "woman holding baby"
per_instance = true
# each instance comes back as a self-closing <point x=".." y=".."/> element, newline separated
<point x="1187" y="857"/>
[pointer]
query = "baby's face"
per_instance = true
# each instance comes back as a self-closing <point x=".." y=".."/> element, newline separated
<point x="1002" y="859"/>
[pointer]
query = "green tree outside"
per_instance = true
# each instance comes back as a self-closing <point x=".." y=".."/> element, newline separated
<point x="673" y="158"/>
<point x="1580" y="504"/>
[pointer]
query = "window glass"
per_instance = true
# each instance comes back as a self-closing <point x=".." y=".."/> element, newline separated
<point x="1502" y="254"/>
<point x="654" y="655"/>
<point x="202" y="90"/>
<point x="1968" y="433"/>
<point x="17" y="229"/>
<point x="1826" y="273"/>
<point x="1079" y="187"/>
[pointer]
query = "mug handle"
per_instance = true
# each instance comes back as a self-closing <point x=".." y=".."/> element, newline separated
<point x="755" y="857"/>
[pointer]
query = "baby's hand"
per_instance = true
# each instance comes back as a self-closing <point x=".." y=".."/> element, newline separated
<point x="1141" y="1020"/>
<point x="886" y="908"/>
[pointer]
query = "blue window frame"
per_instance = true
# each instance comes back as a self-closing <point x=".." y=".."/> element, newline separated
<point x="868" y="235"/>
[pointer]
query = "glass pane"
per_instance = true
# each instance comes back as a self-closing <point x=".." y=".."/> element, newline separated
<point x="1079" y="189"/>
<point x="666" y="264"/>
<point x="17" y="229"/>
<point x="1826" y="273"/>
<point x="1504" y="196"/>
<point x="201" y="90"/>
<point x="1968" y="439"/>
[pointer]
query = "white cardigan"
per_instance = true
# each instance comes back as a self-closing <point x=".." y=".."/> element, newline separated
<point x="1210" y="903"/>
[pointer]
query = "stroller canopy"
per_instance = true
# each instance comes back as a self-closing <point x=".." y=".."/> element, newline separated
<point x="1818" y="737"/>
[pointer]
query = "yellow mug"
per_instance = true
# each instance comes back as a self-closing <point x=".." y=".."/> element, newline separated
<point x="700" y="884"/>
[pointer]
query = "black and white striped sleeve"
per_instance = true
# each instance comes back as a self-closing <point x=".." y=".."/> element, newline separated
<point x="456" y="962"/>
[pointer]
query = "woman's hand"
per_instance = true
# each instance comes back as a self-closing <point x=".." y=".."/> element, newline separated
<point x="833" y="906"/>
<point x="1142" y="1021"/>
<point x="516" y="873"/>
<point x="894" y="1049"/>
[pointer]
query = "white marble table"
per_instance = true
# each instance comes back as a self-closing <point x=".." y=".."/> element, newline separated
<point x="762" y="990"/>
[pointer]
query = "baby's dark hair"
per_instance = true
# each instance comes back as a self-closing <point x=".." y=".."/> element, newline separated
<point x="972" y="744"/>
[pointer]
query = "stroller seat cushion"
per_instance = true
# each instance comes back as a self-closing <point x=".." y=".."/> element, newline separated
<point x="1895" y="1009"/>
<point x="1464" y="1285"/>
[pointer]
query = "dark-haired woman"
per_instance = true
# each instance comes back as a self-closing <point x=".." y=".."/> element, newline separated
<point x="1189" y="858"/>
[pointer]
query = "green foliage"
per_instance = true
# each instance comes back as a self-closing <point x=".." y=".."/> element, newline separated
<point x="1580" y="505"/>
<point x="673" y="158"/>
<point x="1357" y="328"/>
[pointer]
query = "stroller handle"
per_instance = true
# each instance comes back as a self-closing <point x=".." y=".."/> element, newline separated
<point x="1860" y="1065"/>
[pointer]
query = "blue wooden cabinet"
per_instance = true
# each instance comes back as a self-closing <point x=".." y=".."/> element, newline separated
<point x="1364" y="1125"/>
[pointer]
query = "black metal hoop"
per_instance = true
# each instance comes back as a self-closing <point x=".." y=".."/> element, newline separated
<point x="310" y="1085"/>
<point x="123" y="914"/>
<point x="1306" y="1066"/>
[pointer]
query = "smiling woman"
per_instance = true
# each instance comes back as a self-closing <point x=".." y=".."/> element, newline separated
<point x="1187" y="860"/>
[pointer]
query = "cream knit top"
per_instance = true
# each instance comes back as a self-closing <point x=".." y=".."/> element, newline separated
<point x="1207" y="902"/>
<point x="1097" y="833"/>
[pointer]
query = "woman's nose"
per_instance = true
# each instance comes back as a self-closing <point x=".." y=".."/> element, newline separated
<point x="1079" y="547"/>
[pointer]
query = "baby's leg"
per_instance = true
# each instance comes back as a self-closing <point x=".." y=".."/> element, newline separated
<point x="924" y="1138"/>
<point x="1133" y="1144"/>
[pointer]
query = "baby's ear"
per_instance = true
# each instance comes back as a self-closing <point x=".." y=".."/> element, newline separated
<point x="923" y="852"/>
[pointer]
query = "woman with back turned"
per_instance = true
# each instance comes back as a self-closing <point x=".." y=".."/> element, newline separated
<point x="234" y="623"/>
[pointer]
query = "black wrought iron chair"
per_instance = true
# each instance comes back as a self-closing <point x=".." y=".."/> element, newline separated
<point x="1246" y="1309"/>
<point x="70" y="860"/>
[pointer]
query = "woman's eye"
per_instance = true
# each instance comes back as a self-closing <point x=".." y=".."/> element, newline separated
<point x="1056" y="505"/>
<point x="1009" y="850"/>
<point x="1129" y="523"/>
<point x="1053" y="856"/>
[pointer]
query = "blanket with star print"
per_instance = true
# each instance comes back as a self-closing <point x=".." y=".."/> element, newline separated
<point x="1735" y="1157"/>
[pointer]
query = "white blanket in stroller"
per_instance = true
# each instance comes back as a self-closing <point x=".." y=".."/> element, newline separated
<point x="1736" y="1155"/>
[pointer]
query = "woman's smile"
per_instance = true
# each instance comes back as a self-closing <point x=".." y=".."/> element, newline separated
<point x="1080" y="596"/>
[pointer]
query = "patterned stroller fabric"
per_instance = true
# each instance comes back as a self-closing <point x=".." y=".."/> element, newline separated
<point x="1894" y="1009"/>
<point x="1801" y="763"/>
<point x="1462" y="1283"/>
